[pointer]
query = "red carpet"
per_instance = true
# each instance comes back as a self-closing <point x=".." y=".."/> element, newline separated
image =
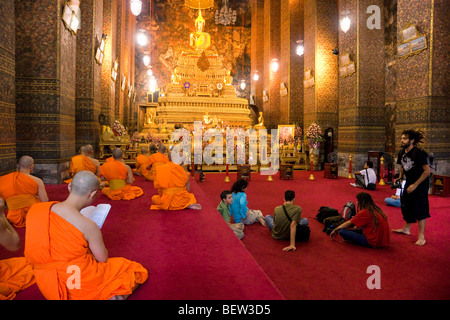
<point x="326" y="269"/>
<point x="193" y="255"/>
<point x="190" y="254"/>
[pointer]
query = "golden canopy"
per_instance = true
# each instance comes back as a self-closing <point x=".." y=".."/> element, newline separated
<point x="199" y="4"/>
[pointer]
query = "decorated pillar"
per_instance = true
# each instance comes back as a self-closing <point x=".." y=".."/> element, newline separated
<point x="7" y="88"/>
<point x="291" y="64"/>
<point x="320" y="80"/>
<point x="257" y="55"/>
<point x="90" y="57"/>
<point x="45" y="87"/>
<point x="271" y="92"/>
<point x="361" y="82"/>
<point x="422" y="76"/>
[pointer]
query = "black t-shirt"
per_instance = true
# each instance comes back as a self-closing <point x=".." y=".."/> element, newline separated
<point x="412" y="163"/>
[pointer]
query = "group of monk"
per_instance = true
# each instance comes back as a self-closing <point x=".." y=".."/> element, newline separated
<point x="64" y="251"/>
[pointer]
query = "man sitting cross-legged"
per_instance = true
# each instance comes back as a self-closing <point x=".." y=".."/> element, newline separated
<point x="21" y="190"/>
<point x="68" y="254"/>
<point x="120" y="177"/>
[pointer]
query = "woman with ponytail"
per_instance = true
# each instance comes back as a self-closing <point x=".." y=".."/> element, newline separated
<point x="369" y="227"/>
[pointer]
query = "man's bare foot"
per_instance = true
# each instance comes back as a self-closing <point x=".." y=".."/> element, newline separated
<point x="195" y="206"/>
<point x="420" y="242"/>
<point x="402" y="230"/>
<point x="262" y="221"/>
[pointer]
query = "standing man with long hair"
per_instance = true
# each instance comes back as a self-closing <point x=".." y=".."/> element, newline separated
<point x="415" y="168"/>
<point x="370" y="220"/>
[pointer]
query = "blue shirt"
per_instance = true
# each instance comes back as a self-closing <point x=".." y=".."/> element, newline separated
<point x="238" y="208"/>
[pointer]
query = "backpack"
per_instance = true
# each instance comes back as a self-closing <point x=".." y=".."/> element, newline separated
<point x="331" y="223"/>
<point x="348" y="211"/>
<point x="325" y="212"/>
<point x="302" y="232"/>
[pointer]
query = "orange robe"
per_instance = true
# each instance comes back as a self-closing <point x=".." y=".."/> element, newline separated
<point x="80" y="163"/>
<point x="170" y="180"/>
<point x="110" y="159"/>
<point x="116" y="174"/>
<point x="142" y="163"/>
<point x="156" y="160"/>
<point x="20" y="192"/>
<point x="64" y="267"/>
<point x="15" y="274"/>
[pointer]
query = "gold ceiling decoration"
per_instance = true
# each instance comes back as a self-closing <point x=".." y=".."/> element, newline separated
<point x="199" y="4"/>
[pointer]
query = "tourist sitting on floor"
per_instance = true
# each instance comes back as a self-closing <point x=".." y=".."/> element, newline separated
<point x="15" y="273"/>
<point x="67" y="251"/>
<point x="239" y="210"/>
<point x="280" y="226"/>
<point x="226" y="199"/>
<point x="394" y="200"/>
<point x="369" y="227"/>
<point x="366" y="178"/>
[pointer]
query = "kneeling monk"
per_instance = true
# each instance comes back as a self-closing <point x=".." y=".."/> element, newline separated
<point x="67" y="251"/>
<point x="155" y="160"/>
<point x="21" y="190"/>
<point x="172" y="182"/>
<point x="120" y="178"/>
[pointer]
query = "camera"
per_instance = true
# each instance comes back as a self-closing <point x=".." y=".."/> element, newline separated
<point x="397" y="184"/>
<point x="335" y="51"/>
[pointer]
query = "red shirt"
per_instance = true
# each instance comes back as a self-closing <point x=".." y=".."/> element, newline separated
<point x="376" y="236"/>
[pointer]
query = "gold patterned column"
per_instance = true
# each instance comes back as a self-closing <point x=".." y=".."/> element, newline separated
<point x="361" y="84"/>
<point x="45" y="87"/>
<point x="423" y="76"/>
<point x="7" y="89"/>
<point x="320" y="66"/>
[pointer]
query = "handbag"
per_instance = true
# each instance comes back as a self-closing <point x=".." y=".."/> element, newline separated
<point x="302" y="233"/>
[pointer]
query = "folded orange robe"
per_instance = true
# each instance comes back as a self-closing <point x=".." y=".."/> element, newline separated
<point x="170" y="180"/>
<point x="64" y="267"/>
<point x="15" y="274"/>
<point x="20" y="192"/>
<point x="116" y="174"/>
<point x="142" y="163"/>
<point x="156" y="160"/>
<point x="80" y="163"/>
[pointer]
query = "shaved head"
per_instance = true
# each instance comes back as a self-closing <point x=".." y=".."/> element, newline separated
<point x="84" y="182"/>
<point x="144" y="150"/>
<point x="153" y="148"/>
<point x="25" y="162"/>
<point x="117" y="153"/>
<point x="88" y="149"/>
<point x="162" y="149"/>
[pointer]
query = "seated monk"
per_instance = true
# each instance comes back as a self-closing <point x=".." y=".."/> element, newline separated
<point x="172" y="182"/>
<point x="68" y="254"/>
<point x="120" y="178"/>
<point x="21" y="190"/>
<point x="142" y="162"/>
<point x="155" y="160"/>
<point x="15" y="273"/>
<point x="84" y="161"/>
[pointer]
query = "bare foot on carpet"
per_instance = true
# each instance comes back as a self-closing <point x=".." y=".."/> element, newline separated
<point x="402" y="231"/>
<point x="420" y="242"/>
<point x="195" y="206"/>
<point x="263" y="222"/>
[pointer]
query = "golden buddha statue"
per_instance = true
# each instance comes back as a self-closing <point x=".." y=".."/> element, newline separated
<point x="200" y="40"/>
<point x="228" y="79"/>
<point x="260" y="124"/>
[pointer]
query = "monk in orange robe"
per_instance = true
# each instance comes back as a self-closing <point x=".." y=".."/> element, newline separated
<point x="68" y="254"/>
<point x="84" y="161"/>
<point x="21" y="190"/>
<point x="142" y="162"/>
<point x="120" y="178"/>
<point x="15" y="273"/>
<point x="172" y="182"/>
<point x="156" y="159"/>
